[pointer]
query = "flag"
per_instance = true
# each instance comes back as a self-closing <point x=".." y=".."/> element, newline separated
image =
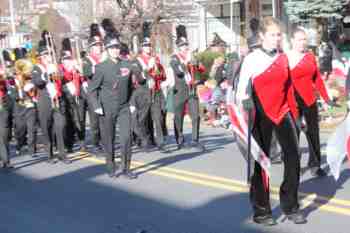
<point x="338" y="146"/>
<point x="240" y="128"/>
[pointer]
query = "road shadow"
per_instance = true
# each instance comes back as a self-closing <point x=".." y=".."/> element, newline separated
<point x="322" y="187"/>
<point x="86" y="201"/>
<point x="211" y="142"/>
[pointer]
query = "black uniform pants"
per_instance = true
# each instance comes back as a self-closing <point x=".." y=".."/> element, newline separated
<point x="158" y="115"/>
<point x="310" y="114"/>
<point x="287" y="137"/>
<point x="52" y="123"/>
<point x="4" y="135"/>
<point x="109" y="121"/>
<point x="75" y="117"/>
<point x="140" y="123"/>
<point x="179" y="109"/>
<point x="94" y="121"/>
<point x="25" y="124"/>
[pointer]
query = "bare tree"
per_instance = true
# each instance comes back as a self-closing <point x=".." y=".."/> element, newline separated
<point x="160" y="13"/>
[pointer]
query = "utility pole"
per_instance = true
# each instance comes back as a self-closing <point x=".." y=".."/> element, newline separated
<point x="274" y="8"/>
<point x="12" y="15"/>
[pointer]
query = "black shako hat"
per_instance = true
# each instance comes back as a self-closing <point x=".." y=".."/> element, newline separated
<point x="66" y="51"/>
<point x="95" y="35"/>
<point x="146" y="29"/>
<point x="181" y="36"/>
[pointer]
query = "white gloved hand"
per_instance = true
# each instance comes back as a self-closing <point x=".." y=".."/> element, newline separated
<point x="99" y="111"/>
<point x="85" y="86"/>
<point x="51" y="69"/>
<point x="348" y="104"/>
<point x="132" y="109"/>
<point x="151" y="83"/>
<point x="77" y="66"/>
<point x="151" y="63"/>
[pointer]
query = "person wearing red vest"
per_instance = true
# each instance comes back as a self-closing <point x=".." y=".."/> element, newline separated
<point x="307" y="81"/>
<point x="72" y="82"/>
<point x="186" y="69"/>
<point x="51" y="104"/>
<point x="265" y="85"/>
<point x="4" y="122"/>
<point x="153" y="73"/>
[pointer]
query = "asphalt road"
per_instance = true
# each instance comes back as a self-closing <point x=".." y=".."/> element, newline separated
<point x="177" y="192"/>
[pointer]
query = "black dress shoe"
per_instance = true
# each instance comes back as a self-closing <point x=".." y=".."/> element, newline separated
<point x="147" y="148"/>
<point x="69" y="150"/>
<point x="7" y="165"/>
<point x="97" y="148"/>
<point x="52" y="160"/>
<point x="129" y="175"/>
<point x="296" y="218"/>
<point x="198" y="146"/>
<point x="180" y="146"/>
<point x="162" y="148"/>
<point x="317" y="172"/>
<point x="265" y="220"/>
<point x="65" y="160"/>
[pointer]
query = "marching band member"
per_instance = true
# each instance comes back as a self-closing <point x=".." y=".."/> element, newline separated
<point x="306" y="80"/>
<point x="4" y="121"/>
<point x="111" y="88"/>
<point x="51" y="106"/>
<point x="90" y="61"/>
<point x="185" y="91"/>
<point x="153" y="74"/>
<point x="72" y="79"/>
<point x="25" y="111"/>
<point x="265" y="83"/>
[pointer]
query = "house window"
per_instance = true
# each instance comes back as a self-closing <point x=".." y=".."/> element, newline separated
<point x="266" y="8"/>
<point x="218" y="21"/>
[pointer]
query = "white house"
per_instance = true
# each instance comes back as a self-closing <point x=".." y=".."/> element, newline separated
<point x="228" y="18"/>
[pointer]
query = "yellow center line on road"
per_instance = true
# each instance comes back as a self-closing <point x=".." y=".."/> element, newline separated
<point x="243" y="184"/>
<point x="324" y="203"/>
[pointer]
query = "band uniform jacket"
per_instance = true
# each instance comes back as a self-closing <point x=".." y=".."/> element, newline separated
<point x="270" y="79"/>
<point x="72" y="81"/>
<point x="182" y="76"/>
<point x="111" y="85"/>
<point x="24" y="101"/>
<point x="40" y="78"/>
<point x="307" y="78"/>
<point x="156" y="73"/>
<point x="89" y="68"/>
